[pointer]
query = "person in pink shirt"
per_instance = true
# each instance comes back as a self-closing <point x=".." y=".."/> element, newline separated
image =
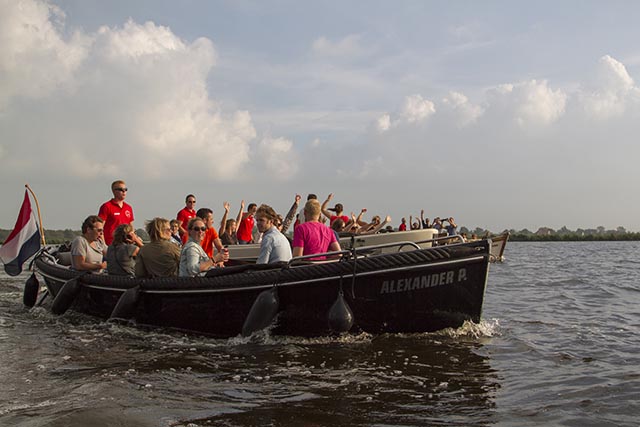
<point x="313" y="237"/>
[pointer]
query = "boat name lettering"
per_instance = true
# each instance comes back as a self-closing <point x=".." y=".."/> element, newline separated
<point x="422" y="282"/>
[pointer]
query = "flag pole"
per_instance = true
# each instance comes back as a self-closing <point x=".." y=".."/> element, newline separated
<point x="44" y="243"/>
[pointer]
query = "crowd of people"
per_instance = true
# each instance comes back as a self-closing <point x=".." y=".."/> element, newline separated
<point x="190" y="245"/>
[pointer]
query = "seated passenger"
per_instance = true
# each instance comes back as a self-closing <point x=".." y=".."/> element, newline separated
<point x="228" y="227"/>
<point x="160" y="258"/>
<point x="289" y="218"/>
<point x="274" y="246"/>
<point x="210" y="238"/>
<point x="121" y="255"/>
<point x="245" y="226"/>
<point x="175" y="232"/>
<point x="194" y="261"/>
<point x="338" y="227"/>
<point x="88" y="250"/>
<point x="312" y="237"/>
<point x="337" y="209"/>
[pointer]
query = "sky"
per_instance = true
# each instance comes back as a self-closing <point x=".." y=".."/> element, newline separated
<point x="502" y="114"/>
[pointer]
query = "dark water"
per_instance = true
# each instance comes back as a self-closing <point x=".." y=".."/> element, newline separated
<point x="558" y="346"/>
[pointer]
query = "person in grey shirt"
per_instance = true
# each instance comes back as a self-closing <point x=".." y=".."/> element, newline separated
<point x="274" y="246"/>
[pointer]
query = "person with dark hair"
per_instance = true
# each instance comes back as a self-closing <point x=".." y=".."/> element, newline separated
<point x="160" y="258"/>
<point x="274" y="246"/>
<point x="228" y="227"/>
<point x="115" y="211"/>
<point x="121" y="255"/>
<point x="89" y="249"/>
<point x="193" y="259"/>
<point x="211" y="238"/>
<point x="245" y="228"/>
<point x="338" y="227"/>
<point x="337" y="210"/>
<point x="185" y="214"/>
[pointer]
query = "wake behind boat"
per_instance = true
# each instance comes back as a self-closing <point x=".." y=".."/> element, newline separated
<point x="397" y="287"/>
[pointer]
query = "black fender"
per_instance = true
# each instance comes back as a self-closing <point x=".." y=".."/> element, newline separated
<point x="66" y="296"/>
<point x="125" y="309"/>
<point x="31" y="288"/>
<point x="262" y="313"/>
<point x="340" y="315"/>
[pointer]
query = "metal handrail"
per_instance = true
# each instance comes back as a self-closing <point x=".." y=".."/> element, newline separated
<point x="356" y="251"/>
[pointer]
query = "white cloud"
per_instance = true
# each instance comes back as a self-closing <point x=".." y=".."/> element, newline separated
<point x="123" y="101"/>
<point x="415" y="110"/>
<point x="383" y="123"/>
<point x="611" y="92"/>
<point x="529" y="103"/>
<point x="462" y="111"/>
<point x="278" y="158"/>
<point x="34" y="58"/>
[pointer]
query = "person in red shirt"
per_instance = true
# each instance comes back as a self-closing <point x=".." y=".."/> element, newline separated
<point x="245" y="228"/>
<point x="211" y="238"/>
<point x="403" y="225"/>
<point x="185" y="215"/>
<point x="115" y="211"/>
<point x="337" y="209"/>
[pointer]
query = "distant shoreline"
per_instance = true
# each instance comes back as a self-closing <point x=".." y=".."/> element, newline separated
<point x="60" y="236"/>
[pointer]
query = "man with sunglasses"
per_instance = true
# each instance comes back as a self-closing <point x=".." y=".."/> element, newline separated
<point x="115" y="211"/>
<point x="185" y="215"/>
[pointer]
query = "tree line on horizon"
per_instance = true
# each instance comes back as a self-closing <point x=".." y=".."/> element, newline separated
<point x="543" y="234"/>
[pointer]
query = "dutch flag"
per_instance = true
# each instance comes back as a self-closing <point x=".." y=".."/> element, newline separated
<point x="23" y="242"/>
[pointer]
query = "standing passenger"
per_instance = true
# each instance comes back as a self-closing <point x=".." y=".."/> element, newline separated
<point x="115" y="211"/>
<point x="185" y="215"/>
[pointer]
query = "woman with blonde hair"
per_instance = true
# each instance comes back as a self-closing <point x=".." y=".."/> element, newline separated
<point x="160" y="258"/>
<point x="122" y="252"/>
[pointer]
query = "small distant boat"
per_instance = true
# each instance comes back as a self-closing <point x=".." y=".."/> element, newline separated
<point x="498" y="245"/>
<point x="384" y="288"/>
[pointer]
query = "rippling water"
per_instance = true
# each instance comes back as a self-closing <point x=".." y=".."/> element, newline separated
<point x="558" y="346"/>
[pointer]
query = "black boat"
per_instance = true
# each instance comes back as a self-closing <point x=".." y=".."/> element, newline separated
<point x="361" y="290"/>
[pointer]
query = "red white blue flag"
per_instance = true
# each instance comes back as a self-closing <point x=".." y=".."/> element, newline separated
<point x="23" y="242"/>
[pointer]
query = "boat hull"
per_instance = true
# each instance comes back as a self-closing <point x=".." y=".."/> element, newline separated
<point x="419" y="291"/>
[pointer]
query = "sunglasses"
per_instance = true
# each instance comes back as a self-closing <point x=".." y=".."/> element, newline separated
<point x="199" y="228"/>
<point x="121" y="189"/>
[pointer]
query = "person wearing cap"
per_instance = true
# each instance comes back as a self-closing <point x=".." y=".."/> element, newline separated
<point x="337" y="210"/>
